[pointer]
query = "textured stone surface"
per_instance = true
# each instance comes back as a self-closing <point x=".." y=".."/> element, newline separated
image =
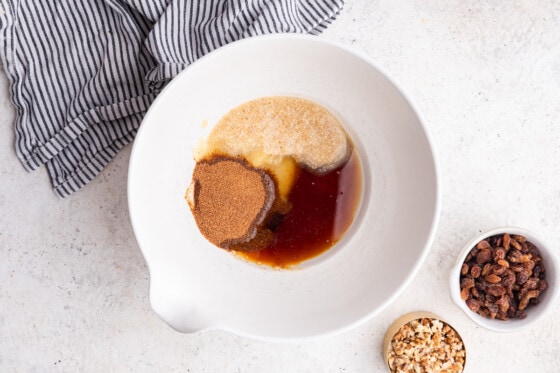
<point x="486" y="78"/>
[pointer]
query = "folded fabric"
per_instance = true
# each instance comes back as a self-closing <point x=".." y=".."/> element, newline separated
<point x="83" y="72"/>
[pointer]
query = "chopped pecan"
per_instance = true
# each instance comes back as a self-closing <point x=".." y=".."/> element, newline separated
<point x="426" y="345"/>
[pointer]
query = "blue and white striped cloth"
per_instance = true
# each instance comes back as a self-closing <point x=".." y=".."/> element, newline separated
<point x="83" y="72"/>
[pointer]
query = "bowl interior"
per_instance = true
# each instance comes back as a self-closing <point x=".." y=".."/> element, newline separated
<point x="194" y="285"/>
<point x="534" y="313"/>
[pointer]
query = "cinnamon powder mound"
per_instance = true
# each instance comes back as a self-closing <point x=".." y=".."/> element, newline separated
<point x="229" y="199"/>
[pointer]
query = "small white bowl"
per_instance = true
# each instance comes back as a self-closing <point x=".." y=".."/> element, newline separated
<point x="534" y="313"/>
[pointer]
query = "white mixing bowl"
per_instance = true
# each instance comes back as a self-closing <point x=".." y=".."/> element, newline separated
<point x="196" y="286"/>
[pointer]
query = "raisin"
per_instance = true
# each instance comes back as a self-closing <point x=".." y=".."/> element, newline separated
<point x="476" y="271"/>
<point x="502" y="276"/>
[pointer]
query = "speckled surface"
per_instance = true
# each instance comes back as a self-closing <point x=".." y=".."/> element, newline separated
<point x="486" y="78"/>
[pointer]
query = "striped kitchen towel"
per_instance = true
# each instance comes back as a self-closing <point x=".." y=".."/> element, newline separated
<point x="83" y="72"/>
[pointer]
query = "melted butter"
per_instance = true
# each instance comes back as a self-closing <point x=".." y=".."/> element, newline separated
<point x="283" y="168"/>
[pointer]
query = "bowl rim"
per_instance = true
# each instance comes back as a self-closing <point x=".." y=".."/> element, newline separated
<point x="431" y="234"/>
<point x="500" y="325"/>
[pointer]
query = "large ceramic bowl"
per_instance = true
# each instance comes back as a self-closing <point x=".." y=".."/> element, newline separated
<point x="196" y="286"/>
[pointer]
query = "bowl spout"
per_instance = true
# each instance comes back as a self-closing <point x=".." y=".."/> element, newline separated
<point x="180" y="310"/>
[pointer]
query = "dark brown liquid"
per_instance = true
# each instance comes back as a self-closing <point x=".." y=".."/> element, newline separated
<point x="323" y="208"/>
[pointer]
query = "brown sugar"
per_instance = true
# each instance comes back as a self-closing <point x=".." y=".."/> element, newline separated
<point x="229" y="199"/>
<point x="265" y="231"/>
<point x="281" y="126"/>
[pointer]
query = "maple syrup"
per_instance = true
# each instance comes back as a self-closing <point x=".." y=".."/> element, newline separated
<point x="323" y="208"/>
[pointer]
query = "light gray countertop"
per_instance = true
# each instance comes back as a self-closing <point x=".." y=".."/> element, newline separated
<point x="486" y="78"/>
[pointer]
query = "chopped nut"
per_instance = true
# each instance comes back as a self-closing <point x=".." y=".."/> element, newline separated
<point x="426" y="345"/>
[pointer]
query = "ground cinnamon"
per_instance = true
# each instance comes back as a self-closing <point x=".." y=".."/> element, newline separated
<point x="229" y="199"/>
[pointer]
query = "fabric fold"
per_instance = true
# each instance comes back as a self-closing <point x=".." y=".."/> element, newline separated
<point x="83" y="73"/>
<point x="187" y="30"/>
